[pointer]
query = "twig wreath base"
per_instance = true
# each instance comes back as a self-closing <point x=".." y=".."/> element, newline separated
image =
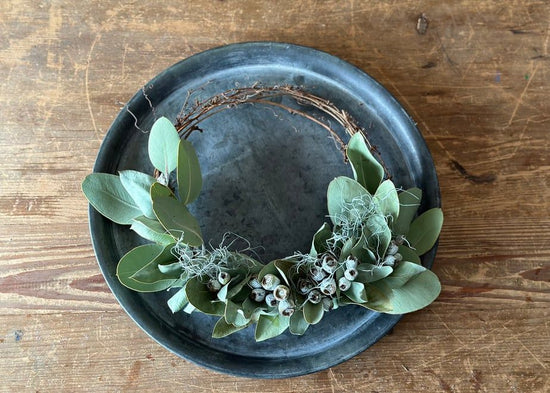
<point x="368" y="255"/>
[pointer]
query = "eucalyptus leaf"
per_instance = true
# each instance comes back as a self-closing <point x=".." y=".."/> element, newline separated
<point x="357" y="292"/>
<point x="178" y="301"/>
<point x="234" y="315"/>
<point x="424" y="230"/>
<point x="174" y="269"/>
<point x="408" y="254"/>
<point x="387" y="199"/>
<point x="150" y="273"/>
<point x="402" y="273"/>
<point x="370" y="273"/>
<point x="378" y="300"/>
<point x="151" y="230"/>
<point x="285" y="269"/>
<point x="313" y="313"/>
<point x="240" y="283"/>
<point x="202" y="299"/>
<point x="222" y="293"/>
<point x="366" y="169"/>
<point x="135" y="260"/>
<point x="108" y="196"/>
<point x="378" y="234"/>
<point x="360" y="250"/>
<point x="418" y="292"/>
<point x="347" y="248"/>
<point x="138" y="185"/>
<point x="189" y="172"/>
<point x="269" y="326"/>
<point x="251" y="308"/>
<point x="163" y="145"/>
<point x="160" y="190"/>
<point x="223" y="329"/>
<point x="319" y="244"/>
<point x="340" y="194"/>
<point x="409" y="200"/>
<point x="298" y="324"/>
<point x="176" y="219"/>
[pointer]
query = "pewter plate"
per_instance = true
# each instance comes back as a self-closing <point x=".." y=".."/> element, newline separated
<point x="265" y="175"/>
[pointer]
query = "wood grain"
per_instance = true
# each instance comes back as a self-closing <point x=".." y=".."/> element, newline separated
<point x="478" y="85"/>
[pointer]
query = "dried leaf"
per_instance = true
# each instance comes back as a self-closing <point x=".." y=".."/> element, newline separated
<point x="176" y="219"/>
<point x="188" y="173"/>
<point x="269" y="326"/>
<point x="387" y="199"/>
<point x="409" y="200"/>
<point x="424" y="230"/>
<point x="366" y="169"/>
<point x="163" y="145"/>
<point x="138" y="186"/>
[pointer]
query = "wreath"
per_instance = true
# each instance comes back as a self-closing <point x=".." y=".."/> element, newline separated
<point x="367" y="255"/>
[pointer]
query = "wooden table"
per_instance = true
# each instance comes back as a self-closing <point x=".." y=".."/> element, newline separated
<point x="478" y="84"/>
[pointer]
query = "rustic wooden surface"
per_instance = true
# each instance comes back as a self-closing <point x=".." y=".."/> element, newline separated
<point x="478" y="84"/>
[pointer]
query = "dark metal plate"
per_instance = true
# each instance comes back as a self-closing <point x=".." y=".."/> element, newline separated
<point x="265" y="177"/>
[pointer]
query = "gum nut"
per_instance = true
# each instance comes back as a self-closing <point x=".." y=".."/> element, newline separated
<point x="258" y="295"/>
<point x="344" y="284"/>
<point x="224" y="277"/>
<point x="389" y="260"/>
<point x="398" y="257"/>
<point x="314" y="296"/>
<point x="328" y="286"/>
<point x="213" y="285"/>
<point x="254" y="283"/>
<point x="281" y="292"/>
<point x="350" y="274"/>
<point x="329" y="264"/>
<point x="270" y="300"/>
<point x="270" y="281"/>
<point x="328" y="304"/>
<point x="304" y="286"/>
<point x="286" y="308"/>
<point x="351" y="262"/>
<point x="393" y="248"/>
<point x="317" y="273"/>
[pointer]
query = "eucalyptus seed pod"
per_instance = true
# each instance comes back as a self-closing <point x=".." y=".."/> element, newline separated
<point x="270" y="281"/>
<point x="258" y="295"/>
<point x="253" y="282"/>
<point x="328" y="286"/>
<point x="314" y="296"/>
<point x="281" y="292"/>
<point x="398" y="257"/>
<point x="286" y="308"/>
<point x="351" y="262"/>
<point x="213" y="285"/>
<point x="330" y="264"/>
<point x="304" y="286"/>
<point x="392" y="248"/>
<point x="317" y="273"/>
<point x="389" y="260"/>
<point x="270" y="300"/>
<point x="350" y="274"/>
<point x="328" y="304"/>
<point x="344" y="284"/>
<point x="224" y="277"/>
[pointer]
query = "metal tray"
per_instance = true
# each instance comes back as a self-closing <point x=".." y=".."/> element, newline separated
<point x="265" y="176"/>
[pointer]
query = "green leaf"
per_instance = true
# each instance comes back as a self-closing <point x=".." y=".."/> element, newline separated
<point x="366" y="169"/>
<point x="189" y="172"/>
<point x="251" y="308"/>
<point x="402" y="273"/>
<point x="178" y="301"/>
<point x="370" y="273"/>
<point x="387" y="199"/>
<point x="234" y="315"/>
<point x="313" y="313"/>
<point x="285" y="269"/>
<point x="173" y="269"/>
<point x="418" y="292"/>
<point x="340" y="194"/>
<point x="408" y="254"/>
<point x="298" y="324"/>
<point x="409" y="200"/>
<point x="378" y="234"/>
<point x="163" y="145"/>
<point x="378" y="299"/>
<point x="202" y="299"/>
<point x="223" y="329"/>
<point x="319" y="244"/>
<point x="270" y="326"/>
<point x="424" y="230"/>
<point x="135" y="260"/>
<point x="150" y="273"/>
<point x="160" y="190"/>
<point x="138" y="185"/>
<point x="357" y="292"/>
<point x="347" y="248"/>
<point x="108" y="196"/>
<point x="151" y="230"/>
<point x="361" y="251"/>
<point x="176" y="219"/>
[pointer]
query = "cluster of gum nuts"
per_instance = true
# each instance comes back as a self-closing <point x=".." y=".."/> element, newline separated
<point x="270" y="290"/>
